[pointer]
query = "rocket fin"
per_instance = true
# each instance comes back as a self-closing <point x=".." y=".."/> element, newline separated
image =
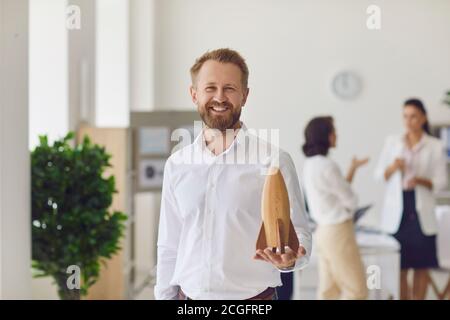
<point x="280" y="236"/>
<point x="261" y="243"/>
<point x="293" y="240"/>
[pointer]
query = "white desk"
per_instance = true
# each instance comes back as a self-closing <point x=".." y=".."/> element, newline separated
<point x="380" y="250"/>
<point x="443" y="236"/>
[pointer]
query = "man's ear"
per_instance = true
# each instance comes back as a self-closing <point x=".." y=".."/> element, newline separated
<point x="244" y="100"/>
<point x="193" y="92"/>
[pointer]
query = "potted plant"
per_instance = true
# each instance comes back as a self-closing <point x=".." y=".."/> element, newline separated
<point x="72" y="228"/>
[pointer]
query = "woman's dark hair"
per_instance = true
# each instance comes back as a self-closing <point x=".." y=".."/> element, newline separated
<point x="317" y="136"/>
<point x="418" y="104"/>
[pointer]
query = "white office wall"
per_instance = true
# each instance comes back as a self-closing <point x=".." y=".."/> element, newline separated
<point x="15" y="226"/>
<point x="143" y="65"/>
<point x="112" y="104"/>
<point x="142" y="54"/>
<point x="293" y="48"/>
<point x="81" y="64"/>
<point x="48" y="70"/>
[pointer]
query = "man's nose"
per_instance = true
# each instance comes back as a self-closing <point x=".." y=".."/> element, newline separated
<point x="220" y="96"/>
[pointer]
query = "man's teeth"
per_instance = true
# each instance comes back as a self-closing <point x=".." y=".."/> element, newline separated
<point x="219" y="109"/>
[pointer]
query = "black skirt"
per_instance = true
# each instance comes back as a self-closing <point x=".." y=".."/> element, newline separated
<point x="418" y="251"/>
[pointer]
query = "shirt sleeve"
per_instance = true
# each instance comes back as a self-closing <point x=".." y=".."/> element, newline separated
<point x="341" y="188"/>
<point x="168" y="238"/>
<point x="298" y="212"/>
<point x="440" y="177"/>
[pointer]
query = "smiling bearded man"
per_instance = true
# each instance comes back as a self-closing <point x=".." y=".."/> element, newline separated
<point x="211" y="210"/>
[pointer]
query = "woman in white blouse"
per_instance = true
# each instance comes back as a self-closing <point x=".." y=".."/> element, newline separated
<point x="413" y="166"/>
<point x="332" y="205"/>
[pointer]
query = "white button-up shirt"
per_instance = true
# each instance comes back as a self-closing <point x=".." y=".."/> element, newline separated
<point x="330" y="197"/>
<point x="411" y="156"/>
<point x="211" y="217"/>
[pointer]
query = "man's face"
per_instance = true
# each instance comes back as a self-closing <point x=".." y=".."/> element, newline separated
<point x="219" y="94"/>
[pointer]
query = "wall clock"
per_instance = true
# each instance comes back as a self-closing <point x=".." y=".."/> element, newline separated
<point x="346" y="85"/>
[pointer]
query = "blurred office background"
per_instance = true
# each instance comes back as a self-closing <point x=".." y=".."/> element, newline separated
<point x="129" y="61"/>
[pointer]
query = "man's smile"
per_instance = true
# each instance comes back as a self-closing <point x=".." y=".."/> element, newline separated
<point x="219" y="109"/>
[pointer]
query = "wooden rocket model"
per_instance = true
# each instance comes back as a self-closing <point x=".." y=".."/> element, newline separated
<point x="277" y="230"/>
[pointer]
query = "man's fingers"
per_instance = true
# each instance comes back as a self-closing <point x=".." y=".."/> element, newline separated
<point x="257" y="257"/>
<point x="288" y="258"/>
<point x="301" y="251"/>
<point x="275" y="258"/>
<point x="263" y="256"/>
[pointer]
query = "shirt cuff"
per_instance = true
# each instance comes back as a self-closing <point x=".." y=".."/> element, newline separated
<point x="299" y="264"/>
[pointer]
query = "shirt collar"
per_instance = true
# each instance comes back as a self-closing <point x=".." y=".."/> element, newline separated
<point x="419" y="144"/>
<point x="199" y="141"/>
<point x="242" y="133"/>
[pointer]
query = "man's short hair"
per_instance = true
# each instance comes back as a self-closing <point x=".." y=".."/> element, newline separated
<point x="223" y="55"/>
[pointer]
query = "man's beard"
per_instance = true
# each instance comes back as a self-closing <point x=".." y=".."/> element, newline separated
<point x="221" y="122"/>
